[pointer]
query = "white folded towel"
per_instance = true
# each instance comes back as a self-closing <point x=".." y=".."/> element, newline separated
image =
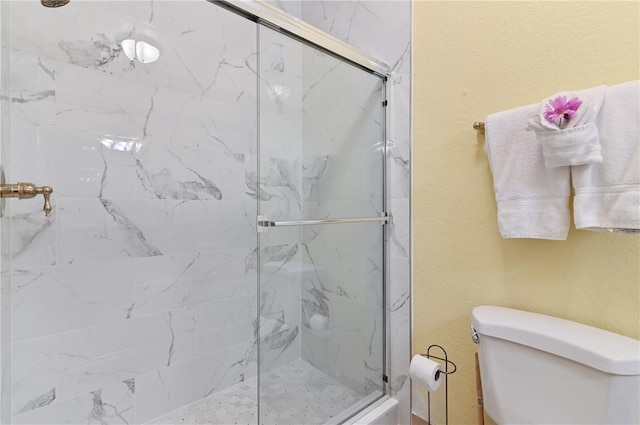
<point x="533" y="200"/>
<point x="607" y="195"/>
<point x="571" y="139"/>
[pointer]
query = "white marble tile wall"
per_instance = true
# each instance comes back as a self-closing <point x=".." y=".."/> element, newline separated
<point x="144" y="277"/>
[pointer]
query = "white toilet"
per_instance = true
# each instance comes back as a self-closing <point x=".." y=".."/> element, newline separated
<point x="538" y="369"/>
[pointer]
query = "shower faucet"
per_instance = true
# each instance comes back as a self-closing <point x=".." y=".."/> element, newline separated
<point x="28" y="191"/>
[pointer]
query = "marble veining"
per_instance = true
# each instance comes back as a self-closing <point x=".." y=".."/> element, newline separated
<point x="33" y="97"/>
<point x="136" y="235"/>
<point x="163" y="182"/>
<point x="281" y="179"/>
<point x="40" y="401"/>
<point x="108" y="405"/>
<point x="97" y="52"/>
<point x="33" y="234"/>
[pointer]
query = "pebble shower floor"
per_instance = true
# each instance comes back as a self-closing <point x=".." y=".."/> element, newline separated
<point x="296" y="393"/>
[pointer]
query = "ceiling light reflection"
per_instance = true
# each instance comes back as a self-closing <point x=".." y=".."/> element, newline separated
<point x="279" y="91"/>
<point x="121" y="145"/>
<point x="140" y="51"/>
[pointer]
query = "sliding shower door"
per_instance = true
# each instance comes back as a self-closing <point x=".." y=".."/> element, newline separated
<point x="320" y="189"/>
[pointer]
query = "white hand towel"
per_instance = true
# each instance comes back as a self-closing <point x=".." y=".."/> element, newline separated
<point x="533" y="200"/>
<point x="574" y="141"/>
<point x="607" y="195"/>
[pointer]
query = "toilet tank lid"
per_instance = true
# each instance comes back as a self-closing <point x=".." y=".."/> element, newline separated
<point x="594" y="347"/>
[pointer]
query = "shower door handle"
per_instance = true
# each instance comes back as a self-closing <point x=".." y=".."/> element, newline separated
<point x="264" y="223"/>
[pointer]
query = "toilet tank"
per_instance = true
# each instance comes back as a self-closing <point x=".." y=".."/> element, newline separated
<point x="537" y="369"/>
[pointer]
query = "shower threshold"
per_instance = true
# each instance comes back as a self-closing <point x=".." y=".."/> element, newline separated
<point x="296" y="393"/>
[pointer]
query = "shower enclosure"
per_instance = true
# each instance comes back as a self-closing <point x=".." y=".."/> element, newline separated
<point x="216" y="247"/>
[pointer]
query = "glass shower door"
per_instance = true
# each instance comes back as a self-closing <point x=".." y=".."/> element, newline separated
<point x="321" y="219"/>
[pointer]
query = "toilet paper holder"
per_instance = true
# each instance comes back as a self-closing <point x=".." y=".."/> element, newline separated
<point x="446" y="373"/>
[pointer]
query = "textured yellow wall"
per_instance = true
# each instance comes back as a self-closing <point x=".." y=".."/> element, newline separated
<point x="476" y="58"/>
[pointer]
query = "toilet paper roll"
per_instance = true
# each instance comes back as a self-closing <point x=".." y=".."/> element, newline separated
<point x="425" y="372"/>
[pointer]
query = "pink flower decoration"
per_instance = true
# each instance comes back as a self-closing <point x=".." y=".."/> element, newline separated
<point x="559" y="111"/>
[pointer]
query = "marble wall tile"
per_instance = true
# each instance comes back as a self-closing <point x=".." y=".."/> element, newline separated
<point x="57" y="299"/>
<point x="190" y="174"/>
<point x="34" y="31"/>
<point x="346" y="363"/>
<point x="278" y="254"/>
<point x="348" y="175"/>
<point x="169" y="282"/>
<point x="33" y="236"/>
<point x="399" y="353"/>
<point x="99" y="230"/>
<point x="98" y="356"/>
<point x="94" y="357"/>
<point x="345" y="271"/>
<point x="82" y="346"/>
<point x="399" y="294"/>
<point x="354" y="324"/>
<point x="347" y="344"/>
<point x="32" y="92"/>
<point x="127" y="101"/>
<point x="400" y="342"/>
<point x="280" y="117"/>
<point x="181" y="30"/>
<point x="94" y="102"/>
<point x="280" y="180"/>
<point x="399" y="170"/>
<point x="280" y="344"/>
<point x="112" y="404"/>
<point x="280" y="193"/>
<point x="342" y="106"/>
<point x="169" y="388"/>
<point x="318" y="348"/>
<point x="281" y="271"/>
<point x="74" y="164"/>
<point x="33" y="374"/>
<point x="400" y="388"/>
<point x="225" y="323"/>
<point x="399" y="149"/>
<point x="399" y="228"/>
<point x="281" y="305"/>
